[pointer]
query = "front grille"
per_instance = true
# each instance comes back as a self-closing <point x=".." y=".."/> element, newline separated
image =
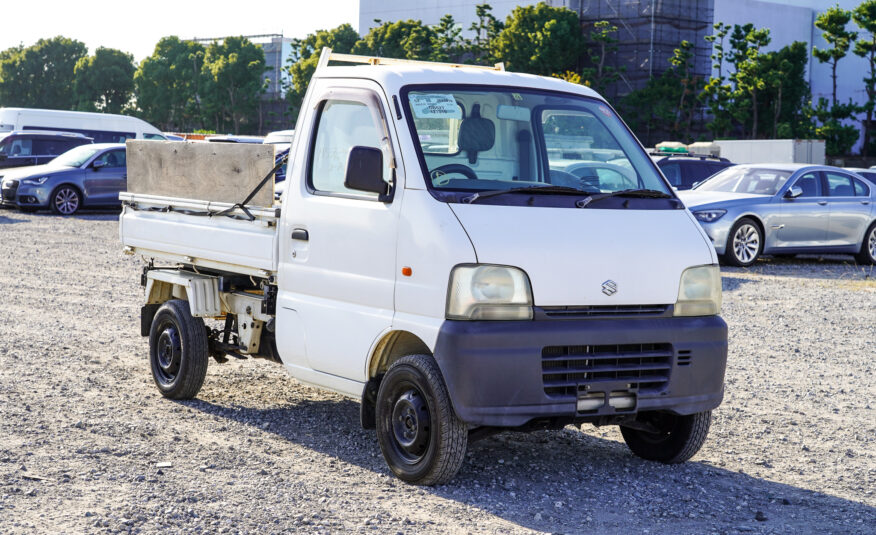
<point x="7" y="194"/>
<point x="572" y="312"/>
<point x="568" y="369"/>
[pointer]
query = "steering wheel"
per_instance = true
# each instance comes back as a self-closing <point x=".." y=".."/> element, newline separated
<point x="580" y="170"/>
<point x="450" y="168"/>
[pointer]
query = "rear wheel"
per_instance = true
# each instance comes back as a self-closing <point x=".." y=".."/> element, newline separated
<point x="744" y="244"/>
<point x="178" y="350"/>
<point x="422" y="439"/>
<point x="65" y="200"/>
<point x="673" y="439"/>
<point x="867" y="255"/>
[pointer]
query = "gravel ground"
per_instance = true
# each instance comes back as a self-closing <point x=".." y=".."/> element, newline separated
<point x="87" y="444"/>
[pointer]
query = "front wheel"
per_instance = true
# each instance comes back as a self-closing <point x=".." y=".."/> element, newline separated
<point x="65" y="200"/>
<point x="178" y="350"/>
<point x="744" y="244"/>
<point x="672" y="439"/>
<point x="867" y="255"/>
<point x="422" y="439"/>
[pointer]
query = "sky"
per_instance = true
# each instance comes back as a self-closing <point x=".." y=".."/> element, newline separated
<point x="136" y="26"/>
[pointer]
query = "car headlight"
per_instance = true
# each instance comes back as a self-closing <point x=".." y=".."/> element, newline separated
<point x="35" y="181"/>
<point x="487" y="292"/>
<point x="707" y="216"/>
<point x="699" y="293"/>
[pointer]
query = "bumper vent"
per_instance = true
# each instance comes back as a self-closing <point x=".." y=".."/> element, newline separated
<point x="573" y="312"/>
<point x="566" y="369"/>
<point x="8" y="194"/>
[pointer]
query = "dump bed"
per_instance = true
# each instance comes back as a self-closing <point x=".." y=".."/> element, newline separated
<point x="181" y="206"/>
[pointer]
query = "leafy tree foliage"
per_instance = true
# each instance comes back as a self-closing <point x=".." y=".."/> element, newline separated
<point x="839" y="137"/>
<point x="598" y="46"/>
<point x="408" y="39"/>
<point x="167" y="84"/>
<point x="486" y="29"/>
<point x="865" y="47"/>
<point x="448" y="44"/>
<point x="833" y="24"/>
<point x="305" y="56"/>
<point x="39" y="76"/>
<point x="105" y="81"/>
<point x="539" y="39"/>
<point x="235" y="77"/>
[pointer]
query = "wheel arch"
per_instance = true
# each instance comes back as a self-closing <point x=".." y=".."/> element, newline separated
<point x="393" y="346"/>
<point x="757" y="221"/>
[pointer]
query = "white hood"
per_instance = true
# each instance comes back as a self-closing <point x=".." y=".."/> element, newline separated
<point x="569" y="253"/>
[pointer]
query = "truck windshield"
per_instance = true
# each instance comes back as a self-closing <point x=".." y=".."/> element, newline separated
<point x="758" y="181"/>
<point x="476" y="139"/>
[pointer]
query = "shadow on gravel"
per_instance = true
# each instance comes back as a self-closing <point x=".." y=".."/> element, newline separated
<point x="728" y="284"/>
<point x="4" y="220"/>
<point x="569" y="481"/>
<point x="828" y="267"/>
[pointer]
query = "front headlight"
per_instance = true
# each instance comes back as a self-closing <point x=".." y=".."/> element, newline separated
<point x="487" y="292"/>
<point x="707" y="216"/>
<point x="35" y="181"/>
<point x="699" y="293"/>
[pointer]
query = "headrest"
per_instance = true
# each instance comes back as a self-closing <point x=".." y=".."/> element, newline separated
<point x="476" y="134"/>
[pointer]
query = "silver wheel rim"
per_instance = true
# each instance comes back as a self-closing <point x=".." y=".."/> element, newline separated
<point x="746" y="243"/>
<point x="872" y="243"/>
<point x="67" y="201"/>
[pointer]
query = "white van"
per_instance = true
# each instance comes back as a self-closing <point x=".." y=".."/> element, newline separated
<point x="102" y="127"/>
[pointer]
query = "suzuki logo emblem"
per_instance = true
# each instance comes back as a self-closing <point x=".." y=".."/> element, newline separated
<point x="609" y="287"/>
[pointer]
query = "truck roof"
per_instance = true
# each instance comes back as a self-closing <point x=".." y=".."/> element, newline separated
<point x="393" y="74"/>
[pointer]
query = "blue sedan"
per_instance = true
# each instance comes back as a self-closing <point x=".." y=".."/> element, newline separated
<point x="786" y="209"/>
<point x="87" y="176"/>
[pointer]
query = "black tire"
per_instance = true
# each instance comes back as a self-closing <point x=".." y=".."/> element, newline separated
<point x="422" y="439"/>
<point x="678" y="439"/>
<point x="744" y="243"/>
<point x="867" y="254"/>
<point x="65" y="200"/>
<point x="177" y="350"/>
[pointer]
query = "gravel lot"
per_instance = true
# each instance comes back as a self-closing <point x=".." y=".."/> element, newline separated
<point x="87" y="444"/>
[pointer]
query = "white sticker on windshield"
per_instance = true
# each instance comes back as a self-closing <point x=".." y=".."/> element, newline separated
<point x="435" y="106"/>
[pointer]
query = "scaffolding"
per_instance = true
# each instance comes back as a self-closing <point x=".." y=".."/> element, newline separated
<point x="648" y="32"/>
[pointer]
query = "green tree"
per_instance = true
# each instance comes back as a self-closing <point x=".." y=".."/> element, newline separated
<point x="105" y="81"/>
<point x="786" y="94"/>
<point x="485" y="30"/>
<point x="39" y="76"/>
<point x="408" y="39"/>
<point x="539" y="39"/>
<point x="682" y="63"/>
<point x="448" y="44"/>
<point x="865" y="17"/>
<point x="167" y="84"/>
<point x="235" y="79"/>
<point x="301" y="64"/>
<point x="716" y="93"/>
<point x="750" y="75"/>
<point x="832" y="24"/>
<point x="599" y="44"/>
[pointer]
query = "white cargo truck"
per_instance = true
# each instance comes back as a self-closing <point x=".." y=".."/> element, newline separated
<point x="437" y="258"/>
<point x="772" y="150"/>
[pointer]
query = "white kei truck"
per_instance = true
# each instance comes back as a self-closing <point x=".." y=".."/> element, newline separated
<point x="462" y="249"/>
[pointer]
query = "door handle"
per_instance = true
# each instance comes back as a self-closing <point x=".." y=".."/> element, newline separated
<point x="300" y="234"/>
<point x="822" y="203"/>
<point x="865" y="202"/>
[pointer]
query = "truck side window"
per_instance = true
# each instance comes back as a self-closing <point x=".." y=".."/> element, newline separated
<point x="343" y="124"/>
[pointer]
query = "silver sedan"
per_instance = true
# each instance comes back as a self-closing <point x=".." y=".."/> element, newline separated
<point x="786" y="209"/>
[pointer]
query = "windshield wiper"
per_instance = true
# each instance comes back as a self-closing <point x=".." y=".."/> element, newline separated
<point x="562" y="190"/>
<point x="640" y="193"/>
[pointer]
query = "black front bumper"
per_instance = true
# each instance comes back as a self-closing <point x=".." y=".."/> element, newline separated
<point x="505" y="374"/>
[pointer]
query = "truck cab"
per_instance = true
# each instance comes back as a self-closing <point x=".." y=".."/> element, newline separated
<point x="464" y="250"/>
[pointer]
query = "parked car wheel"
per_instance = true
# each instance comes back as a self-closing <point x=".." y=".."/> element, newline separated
<point x="178" y="350"/>
<point x="677" y="438"/>
<point x="66" y="200"/>
<point x="422" y="439"/>
<point x="744" y="244"/>
<point x="867" y="255"/>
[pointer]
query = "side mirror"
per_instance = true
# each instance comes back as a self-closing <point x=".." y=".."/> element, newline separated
<point x="97" y="164"/>
<point x="365" y="170"/>
<point x="794" y="192"/>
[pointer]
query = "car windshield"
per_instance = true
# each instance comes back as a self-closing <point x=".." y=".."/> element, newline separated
<point x="476" y="139"/>
<point x="75" y="157"/>
<point x="755" y="180"/>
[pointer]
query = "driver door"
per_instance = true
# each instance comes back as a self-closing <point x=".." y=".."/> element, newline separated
<point x="803" y="220"/>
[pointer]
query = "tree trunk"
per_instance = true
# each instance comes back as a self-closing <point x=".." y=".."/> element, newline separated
<point x="833" y="75"/>
<point x="777" y="112"/>
<point x="754" y="114"/>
